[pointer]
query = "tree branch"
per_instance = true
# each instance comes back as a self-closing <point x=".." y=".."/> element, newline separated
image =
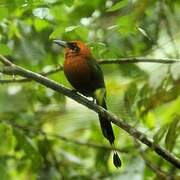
<point x="17" y="70"/>
<point x="101" y="62"/>
<point x="89" y="144"/>
<point x="138" y="60"/>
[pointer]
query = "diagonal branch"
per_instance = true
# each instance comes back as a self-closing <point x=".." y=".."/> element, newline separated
<point x="17" y="70"/>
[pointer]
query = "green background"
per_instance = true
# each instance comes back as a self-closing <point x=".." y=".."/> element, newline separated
<point x="34" y="120"/>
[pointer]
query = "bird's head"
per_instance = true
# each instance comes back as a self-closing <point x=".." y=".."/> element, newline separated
<point x="74" y="48"/>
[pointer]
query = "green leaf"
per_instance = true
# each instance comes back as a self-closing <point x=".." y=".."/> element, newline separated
<point x="161" y="73"/>
<point x="20" y="2"/>
<point x="130" y="93"/>
<point x="160" y="134"/>
<point x="82" y="32"/>
<point x="70" y="28"/>
<point x="40" y="24"/>
<point x="171" y="134"/>
<point x="3" y="13"/>
<point x="4" y="49"/>
<point x="31" y="151"/>
<point x="69" y="2"/>
<point x="143" y="32"/>
<point x="3" y="169"/>
<point x="150" y="120"/>
<point x="57" y="33"/>
<point x="129" y="105"/>
<point x="44" y="146"/>
<point x="101" y="159"/>
<point x="175" y="71"/>
<point x="118" y="6"/>
<point x="7" y="139"/>
<point x="12" y="99"/>
<point x="126" y="25"/>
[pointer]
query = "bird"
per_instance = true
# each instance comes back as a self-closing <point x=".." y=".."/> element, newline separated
<point x="85" y="75"/>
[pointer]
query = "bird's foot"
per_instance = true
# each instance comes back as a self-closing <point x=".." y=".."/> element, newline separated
<point x="74" y="91"/>
<point x="94" y="100"/>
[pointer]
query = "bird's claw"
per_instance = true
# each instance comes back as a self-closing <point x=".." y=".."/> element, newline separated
<point x="74" y="91"/>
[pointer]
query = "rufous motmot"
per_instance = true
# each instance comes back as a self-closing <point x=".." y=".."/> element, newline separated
<point x="85" y="75"/>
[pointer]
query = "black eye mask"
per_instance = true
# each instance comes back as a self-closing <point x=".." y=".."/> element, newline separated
<point x="73" y="46"/>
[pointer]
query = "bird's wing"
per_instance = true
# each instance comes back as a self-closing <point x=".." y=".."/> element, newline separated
<point x="96" y="74"/>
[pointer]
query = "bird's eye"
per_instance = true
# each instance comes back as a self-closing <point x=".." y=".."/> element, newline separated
<point x="74" y="47"/>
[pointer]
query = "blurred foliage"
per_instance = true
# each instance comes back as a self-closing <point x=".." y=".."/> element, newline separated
<point x="146" y="95"/>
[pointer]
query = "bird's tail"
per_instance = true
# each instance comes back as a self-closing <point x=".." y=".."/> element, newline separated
<point x="107" y="130"/>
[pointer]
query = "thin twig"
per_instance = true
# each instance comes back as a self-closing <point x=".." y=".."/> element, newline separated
<point x="138" y="60"/>
<point x="20" y="80"/>
<point x="101" y="62"/>
<point x="17" y="70"/>
<point x="89" y="144"/>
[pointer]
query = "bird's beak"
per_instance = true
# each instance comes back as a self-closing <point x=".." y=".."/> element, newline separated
<point x="61" y="43"/>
